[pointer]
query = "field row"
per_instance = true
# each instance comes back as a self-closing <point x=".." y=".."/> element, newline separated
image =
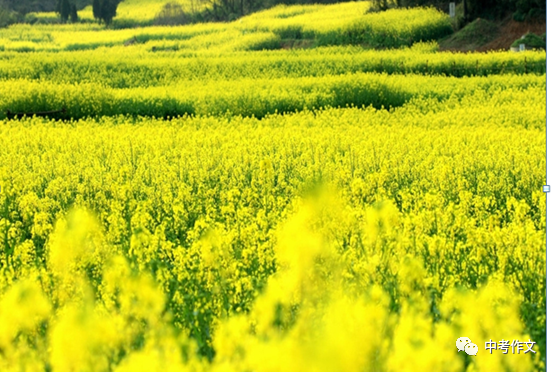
<point x="259" y="97"/>
<point x="123" y="68"/>
<point x="344" y="23"/>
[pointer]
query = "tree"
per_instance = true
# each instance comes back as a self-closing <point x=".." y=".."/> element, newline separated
<point x="64" y="8"/>
<point x="105" y="10"/>
<point x="472" y="9"/>
<point x="96" y="9"/>
<point x="73" y="14"/>
<point x="7" y="16"/>
<point x="21" y="7"/>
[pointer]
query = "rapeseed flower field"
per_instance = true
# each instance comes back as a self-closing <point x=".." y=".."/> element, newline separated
<point x="202" y="200"/>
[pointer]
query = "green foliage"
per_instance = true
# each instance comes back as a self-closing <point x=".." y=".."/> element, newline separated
<point x="209" y="94"/>
<point x="171" y="14"/>
<point x="519" y="16"/>
<point x="64" y="9"/>
<point x="379" y="5"/>
<point x="73" y="16"/>
<point x="529" y="12"/>
<point x="473" y="35"/>
<point x="7" y="17"/>
<point x="531" y="41"/>
<point x="537" y="13"/>
<point x="470" y="10"/>
<point x="25" y="6"/>
<point x="397" y="29"/>
<point x="526" y="6"/>
<point x="105" y="10"/>
<point x="96" y="7"/>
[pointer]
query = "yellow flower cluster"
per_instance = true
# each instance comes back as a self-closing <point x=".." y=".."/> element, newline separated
<point x="206" y="207"/>
<point x="341" y="239"/>
<point x="337" y="24"/>
<point x="259" y="96"/>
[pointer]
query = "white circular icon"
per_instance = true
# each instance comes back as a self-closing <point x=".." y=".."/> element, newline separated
<point x="471" y="349"/>
<point x="462" y="342"/>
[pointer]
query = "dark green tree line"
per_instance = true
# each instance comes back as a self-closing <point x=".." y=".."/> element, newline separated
<point x="67" y="11"/>
<point x="105" y="10"/>
<point x="226" y="10"/>
<point x="472" y="9"/>
<point x="26" y="6"/>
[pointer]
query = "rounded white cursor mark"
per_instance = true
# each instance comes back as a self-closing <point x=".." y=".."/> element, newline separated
<point x="471" y="349"/>
<point x="462" y="342"/>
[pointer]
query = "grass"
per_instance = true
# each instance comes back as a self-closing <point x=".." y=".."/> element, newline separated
<point x="472" y="36"/>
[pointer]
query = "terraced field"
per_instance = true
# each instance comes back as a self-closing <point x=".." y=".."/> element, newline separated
<point x="196" y="198"/>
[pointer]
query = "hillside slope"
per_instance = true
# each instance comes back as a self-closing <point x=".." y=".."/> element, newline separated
<point x="482" y="35"/>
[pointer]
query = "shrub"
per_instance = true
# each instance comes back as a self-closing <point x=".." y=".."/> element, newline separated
<point x="7" y="17"/>
<point x="536" y="13"/>
<point x="531" y="41"/>
<point x="171" y="14"/>
<point x="519" y="16"/>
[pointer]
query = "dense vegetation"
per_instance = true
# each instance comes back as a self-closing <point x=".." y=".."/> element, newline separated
<point x="173" y="93"/>
<point x="324" y="25"/>
<point x="170" y="12"/>
<point x="207" y="203"/>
